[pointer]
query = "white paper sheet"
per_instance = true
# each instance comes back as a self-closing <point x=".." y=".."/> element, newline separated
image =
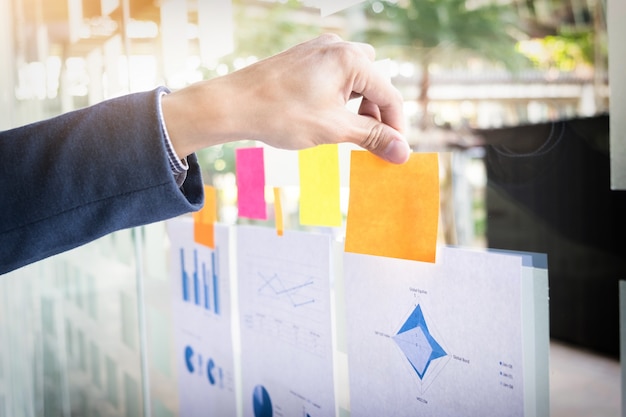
<point x="284" y="304"/>
<point x="201" y="298"/>
<point x="439" y="339"/>
<point x="281" y="167"/>
<point x="535" y="331"/>
<point x="536" y="324"/>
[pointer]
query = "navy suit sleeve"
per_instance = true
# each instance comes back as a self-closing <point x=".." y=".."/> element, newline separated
<point x="76" y="177"/>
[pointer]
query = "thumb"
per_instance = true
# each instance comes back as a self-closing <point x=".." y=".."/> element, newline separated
<point x="381" y="139"/>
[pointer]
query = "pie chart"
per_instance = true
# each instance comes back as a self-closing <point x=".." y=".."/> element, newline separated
<point x="261" y="402"/>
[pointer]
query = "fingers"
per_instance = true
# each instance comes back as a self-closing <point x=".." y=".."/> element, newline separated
<point x="379" y="125"/>
<point x="378" y="138"/>
<point x="369" y="108"/>
<point x="381" y="112"/>
<point x="298" y="98"/>
<point x="371" y="84"/>
<point x="367" y="49"/>
<point x="379" y="92"/>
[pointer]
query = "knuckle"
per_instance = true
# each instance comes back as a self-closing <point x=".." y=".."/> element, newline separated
<point x="369" y="49"/>
<point x="347" y="54"/>
<point x="376" y="138"/>
<point x="330" y="37"/>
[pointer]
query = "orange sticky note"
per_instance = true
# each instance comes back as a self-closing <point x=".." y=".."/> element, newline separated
<point x="204" y="219"/>
<point x="394" y="209"/>
<point x="319" y="186"/>
<point x="278" y="212"/>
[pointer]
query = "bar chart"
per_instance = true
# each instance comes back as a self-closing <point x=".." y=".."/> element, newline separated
<point x="199" y="279"/>
<point x="201" y="297"/>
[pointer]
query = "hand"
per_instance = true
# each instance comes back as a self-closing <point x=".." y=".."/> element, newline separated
<point x="293" y="100"/>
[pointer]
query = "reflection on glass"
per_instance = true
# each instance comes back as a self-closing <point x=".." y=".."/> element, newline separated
<point x="524" y="153"/>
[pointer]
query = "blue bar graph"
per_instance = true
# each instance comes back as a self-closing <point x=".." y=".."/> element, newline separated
<point x="207" y="304"/>
<point x="205" y="287"/>
<point x="216" y="304"/>
<point x="196" y="284"/>
<point x="184" y="275"/>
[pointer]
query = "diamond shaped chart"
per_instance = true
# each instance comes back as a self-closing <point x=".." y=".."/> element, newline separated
<point x="417" y="344"/>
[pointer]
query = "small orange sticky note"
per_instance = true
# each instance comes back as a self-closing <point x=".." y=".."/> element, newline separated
<point x="204" y="219"/>
<point x="278" y="212"/>
<point x="320" y="186"/>
<point x="394" y="209"/>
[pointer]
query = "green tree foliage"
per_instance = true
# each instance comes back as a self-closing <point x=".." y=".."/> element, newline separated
<point x="565" y="52"/>
<point x="440" y="28"/>
<point x="446" y="32"/>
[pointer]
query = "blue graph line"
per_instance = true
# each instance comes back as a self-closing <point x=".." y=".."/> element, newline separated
<point x="278" y="288"/>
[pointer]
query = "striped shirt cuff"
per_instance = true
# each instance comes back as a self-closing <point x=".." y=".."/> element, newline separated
<point x="178" y="166"/>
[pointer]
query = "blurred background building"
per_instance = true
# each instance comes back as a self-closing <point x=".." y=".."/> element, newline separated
<point x="530" y="61"/>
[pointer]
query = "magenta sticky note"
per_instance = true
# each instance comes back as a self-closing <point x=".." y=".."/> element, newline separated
<point x="251" y="183"/>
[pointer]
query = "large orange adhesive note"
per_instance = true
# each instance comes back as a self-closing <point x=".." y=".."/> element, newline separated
<point x="320" y="186"/>
<point x="204" y="219"/>
<point x="394" y="209"/>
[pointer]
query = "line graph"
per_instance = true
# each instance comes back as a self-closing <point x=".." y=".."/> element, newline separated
<point x="284" y="289"/>
<point x="285" y="302"/>
<point x="273" y="286"/>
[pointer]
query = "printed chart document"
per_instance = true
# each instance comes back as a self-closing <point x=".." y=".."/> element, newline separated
<point x="201" y="297"/>
<point x="444" y="339"/>
<point x="285" y="322"/>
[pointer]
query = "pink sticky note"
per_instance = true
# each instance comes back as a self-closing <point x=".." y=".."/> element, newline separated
<point x="251" y="183"/>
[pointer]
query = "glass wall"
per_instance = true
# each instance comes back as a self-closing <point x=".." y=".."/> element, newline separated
<point x="521" y="126"/>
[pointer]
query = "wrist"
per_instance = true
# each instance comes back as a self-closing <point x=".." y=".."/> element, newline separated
<point x="199" y="116"/>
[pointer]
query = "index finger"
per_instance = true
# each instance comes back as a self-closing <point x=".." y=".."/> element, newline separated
<point x="372" y="84"/>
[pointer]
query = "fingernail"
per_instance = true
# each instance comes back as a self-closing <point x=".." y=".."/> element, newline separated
<point x="397" y="151"/>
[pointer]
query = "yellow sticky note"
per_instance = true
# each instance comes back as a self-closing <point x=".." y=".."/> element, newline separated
<point x="319" y="186"/>
<point x="394" y="209"/>
<point x="204" y="219"/>
<point x="278" y="212"/>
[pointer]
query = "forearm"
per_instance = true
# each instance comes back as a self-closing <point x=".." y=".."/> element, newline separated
<point x="76" y="177"/>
